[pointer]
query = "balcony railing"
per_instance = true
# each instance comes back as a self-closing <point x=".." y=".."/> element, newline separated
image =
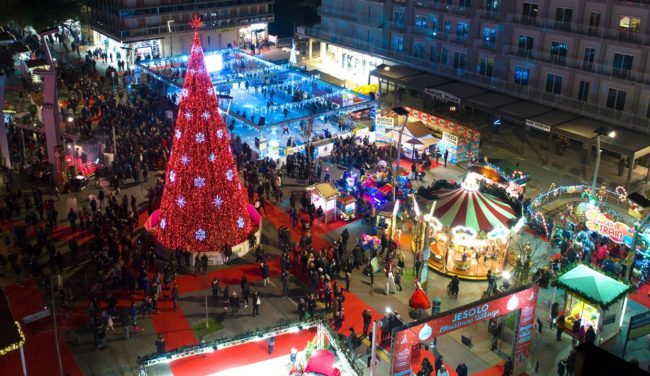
<point x="445" y="8"/>
<point x="582" y="29"/>
<point x="591" y="110"/>
<point x="487" y="14"/>
<point x="377" y="22"/>
<point x="605" y="70"/>
<point x="489" y="45"/>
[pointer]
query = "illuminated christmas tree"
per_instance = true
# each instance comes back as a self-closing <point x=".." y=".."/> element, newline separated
<point x="203" y="207"/>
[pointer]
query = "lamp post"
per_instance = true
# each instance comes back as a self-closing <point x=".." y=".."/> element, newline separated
<point x="600" y="131"/>
<point x="400" y="111"/>
<point x="643" y="202"/>
<point x="171" y="46"/>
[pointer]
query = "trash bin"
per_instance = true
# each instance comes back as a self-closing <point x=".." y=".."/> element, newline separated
<point x="435" y="306"/>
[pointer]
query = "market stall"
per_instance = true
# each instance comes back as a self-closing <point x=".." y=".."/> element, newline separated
<point x="324" y="196"/>
<point x="596" y="299"/>
<point x="416" y="138"/>
<point x="345" y="207"/>
<point x="469" y="232"/>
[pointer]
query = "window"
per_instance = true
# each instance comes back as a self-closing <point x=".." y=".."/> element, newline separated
<point x="558" y="52"/>
<point x="444" y="56"/>
<point x="489" y="37"/>
<point x="485" y="67"/>
<point x="553" y="83"/>
<point x="398" y="17"/>
<point x="594" y="22"/>
<point x="459" y="60"/>
<point x="462" y="31"/>
<point x="433" y="54"/>
<point x="616" y="99"/>
<point x="420" y="23"/>
<point x="418" y="49"/>
<point x="447" y="27"/>
<point x="629" y="24"/>
<point x="525" y="45"/>
<point x="529" y="12"/>
<point x="398" y="43"/>
<point x="521" y="76"/>
<point x="462" y="4"/>
<point x="434" y="24"/>
<point x="588" y="60"/>
<point x="583" y="91"/>
<point x="492" y="5"/>
<point x="622" y="65"/>
<point x="563" y="18"/>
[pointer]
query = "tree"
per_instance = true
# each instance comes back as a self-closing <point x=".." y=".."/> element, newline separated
<point x="528" y="254"/>
<point x="203" y="207"/>
<point x="39" y="14"/>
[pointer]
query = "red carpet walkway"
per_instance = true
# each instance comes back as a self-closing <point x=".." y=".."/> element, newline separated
<point x="641" y="295"/>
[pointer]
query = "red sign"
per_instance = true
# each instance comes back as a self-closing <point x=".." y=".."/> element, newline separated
<point x="524" y="301"/>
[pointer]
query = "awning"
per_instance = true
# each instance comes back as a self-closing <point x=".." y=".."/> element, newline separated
<point x="417" y="129"/>
<point x="423" y="81"/>
<point x="394" y="72"/>
<point x="523" y="110"/>
<point x="592" y="286"/>
<point x="326" y="190"/>
<point x="626" y="142"/>
<point x="491" y="101"/>
<point x="460" y="90"/>
<point x="548" y="120"/>
<point x="326" y="77"/>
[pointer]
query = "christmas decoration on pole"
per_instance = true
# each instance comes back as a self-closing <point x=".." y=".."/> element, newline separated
<point x="203" y="208"/>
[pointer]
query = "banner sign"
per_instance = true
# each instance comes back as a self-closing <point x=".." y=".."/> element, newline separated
<point x="523" y="301"/>
<point x="450" y="138"/>
<point x="536" y="125"/>
<point x="381" y="123"/>
<point x="598" y="222"/>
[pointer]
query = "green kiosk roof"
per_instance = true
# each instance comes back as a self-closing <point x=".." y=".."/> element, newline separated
<point x="592" y="286"/>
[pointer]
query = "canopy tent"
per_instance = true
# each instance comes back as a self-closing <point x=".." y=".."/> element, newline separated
<point x="322" y="362"/>
<point x="592" y="286"/>
<point x="473" y="209"/>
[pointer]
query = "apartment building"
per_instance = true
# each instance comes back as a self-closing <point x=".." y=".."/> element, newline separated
<point x="142" y="28"/>
<point x="588" y="58"/>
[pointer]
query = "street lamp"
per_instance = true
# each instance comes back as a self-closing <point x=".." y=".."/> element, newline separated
<point x="600" y="131"/>
<point x="169" y="28"/>
<point x="400" y="111"/>
<point x="644" y="203"/>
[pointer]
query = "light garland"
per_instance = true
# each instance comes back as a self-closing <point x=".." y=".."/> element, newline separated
<point x="17" y="345"/>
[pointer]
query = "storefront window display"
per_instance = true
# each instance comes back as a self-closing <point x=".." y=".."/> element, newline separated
<point x="349" y="65"/>
<point x="252" y="34"/>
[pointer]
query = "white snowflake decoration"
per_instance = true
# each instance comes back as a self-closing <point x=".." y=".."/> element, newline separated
<point x="199" y="137"/>
<point x="210" y="90"/>
<point x="163" y="223"/>
<point x="200" y="234"/>
<point x="178" y="134"/>
<point x="184" y="92"/>
<point x="180" y="201"/>
<point x="241" y="222"/>
<point x="199" y="182"/>
<point x="212" y="157"/>
<point x="188" y="115"/>
<point x="191" y="71"/>
<point x="172" y="176"/>
<point x="185" y="160"/>
<point x="217" y="201"/>
<point x="206" y="115"/>
<point x="229" y="175"/>
<point x="220" y="133"/>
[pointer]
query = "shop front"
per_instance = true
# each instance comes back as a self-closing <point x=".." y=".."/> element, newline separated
<point x="253" y="34"/>
<point x="348" y="65"/>
<point x="324" y="196"/>
<point x="140" y="50"/>
<point x="594" y="300"/>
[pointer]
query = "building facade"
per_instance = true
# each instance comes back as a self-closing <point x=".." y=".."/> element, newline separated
<point x="141" y="28"/>
<point x="586" y="57"/>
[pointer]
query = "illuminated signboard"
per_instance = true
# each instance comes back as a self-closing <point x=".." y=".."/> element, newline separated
<point x="598" y="222"/>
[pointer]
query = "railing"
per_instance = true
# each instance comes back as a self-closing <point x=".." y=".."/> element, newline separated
<point x="485" y="45"/>
<point x="581" y="29"/>
<point x="181" y="7"/>
<point x="352" y="16"/>
<point x="487" y="14"/>
<point x="594" y="111"/>
<point x="605" y="70"/>
<point x="447" y="8"/>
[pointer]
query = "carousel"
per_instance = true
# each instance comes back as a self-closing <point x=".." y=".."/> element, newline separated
<point x="468" y="231"/>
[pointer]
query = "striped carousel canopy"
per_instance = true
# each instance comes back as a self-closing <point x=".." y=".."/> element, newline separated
<point x="473" y="209"/>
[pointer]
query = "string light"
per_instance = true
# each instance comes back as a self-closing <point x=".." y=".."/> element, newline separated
<point x="191" y="222"/>
<point x="17" y="345"/>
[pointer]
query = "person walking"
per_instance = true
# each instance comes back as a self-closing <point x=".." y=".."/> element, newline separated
<point x="438" y="363"/>
<point x="160" y="345"/>
<point x="561" y="367"/>
<point x="367" y="319"/>
<point x="446" y="156"/>
<point x="256" y="303"/>
<point x="174" y="294"/>
<point x="271" y="343"/>
<point x="285" y="284"/>
<point x="265" y="273"/>
<point x="508" y="367"/>
<point x="559" y="325"/>
<point x="461" y="369"/>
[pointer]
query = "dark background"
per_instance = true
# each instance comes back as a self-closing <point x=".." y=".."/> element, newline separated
<point x="290" y="13"/>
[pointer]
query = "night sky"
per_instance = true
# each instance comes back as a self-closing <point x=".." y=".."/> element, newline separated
<point x="290" y="12"/>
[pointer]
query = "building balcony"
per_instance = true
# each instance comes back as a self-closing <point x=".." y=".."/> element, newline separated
<point x="581" y="30"/>
<point x="487" y="14"/>
<point x="212" y="23"/>
<point x="500" y="84"/>
<point x="604" y="70"/>
<point x="443" y="8"/>
<point x="184" y="7"/>
<point x="485" y="45"/>
<point x="376" y="22"/>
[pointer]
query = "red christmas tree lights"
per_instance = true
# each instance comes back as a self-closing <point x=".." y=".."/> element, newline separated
<point x="203" y="207"/>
